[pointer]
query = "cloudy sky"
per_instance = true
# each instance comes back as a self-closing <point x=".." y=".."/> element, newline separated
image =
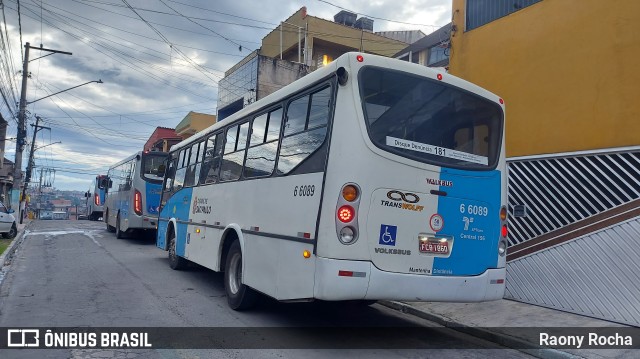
<point x="158" y="59"/>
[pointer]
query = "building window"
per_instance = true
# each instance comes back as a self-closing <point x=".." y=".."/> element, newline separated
<point x="413" y="57"/>
<point x="436" y="54"/>
<point x="480" y="12"/>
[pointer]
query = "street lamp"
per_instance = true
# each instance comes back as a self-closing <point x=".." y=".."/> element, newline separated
<point x="17" y="177"/>
<point x="70" y="88"/>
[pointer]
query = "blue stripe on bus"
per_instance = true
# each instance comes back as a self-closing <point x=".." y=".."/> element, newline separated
<point x="470" y="255"/>
<point x="177" y="207"/>
<point x="152" y="196"/>
<point x="102" y="196"/>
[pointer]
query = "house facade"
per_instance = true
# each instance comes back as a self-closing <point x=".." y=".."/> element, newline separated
<point x="568" y="74"/>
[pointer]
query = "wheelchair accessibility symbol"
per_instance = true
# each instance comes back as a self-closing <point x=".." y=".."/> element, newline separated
<point x="387" y="235"/>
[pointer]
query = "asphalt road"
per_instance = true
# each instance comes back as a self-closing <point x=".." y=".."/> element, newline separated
<point x="76" y="274"/>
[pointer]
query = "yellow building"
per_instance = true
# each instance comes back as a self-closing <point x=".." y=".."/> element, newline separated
<point x="568" y="70"/>
<point x="193" y="123"/>
<point x="317" y="40"/>
<point x="301" y="44"/>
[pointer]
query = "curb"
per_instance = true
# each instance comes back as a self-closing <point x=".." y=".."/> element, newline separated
<point x="5" y="257"/>
<point x="495" y="337"/>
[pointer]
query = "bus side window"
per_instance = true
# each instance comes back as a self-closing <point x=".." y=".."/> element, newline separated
<point x="190" y="176"/>
<point x="170" y="174"/>
<point x="261" y="155"/>
<point x="211" y="165"/>
<point x="298" y="146"/>
<point x="178" y="181"/>
<point x="233" y="157"/>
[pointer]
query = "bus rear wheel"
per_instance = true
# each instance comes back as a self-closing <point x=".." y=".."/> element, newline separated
<point x="106" y="220"/>
<point x="175" y="262"/>
<point x="239" y="296"/>
<point x="119" y="232"/>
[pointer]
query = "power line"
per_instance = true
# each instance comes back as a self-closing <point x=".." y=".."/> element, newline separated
<point x="125" y="62"/>
<point x="223" y="13"/>
<point x="124" y="54"/>
<point x="378" y="18"/>
<point x="129" y="32"/>
<point x="98" y="123"/>
<point x="187" y="58"/>
<point x="204" y="27"/>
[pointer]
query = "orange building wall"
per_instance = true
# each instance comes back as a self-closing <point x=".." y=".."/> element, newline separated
<point x="568" y="70"/>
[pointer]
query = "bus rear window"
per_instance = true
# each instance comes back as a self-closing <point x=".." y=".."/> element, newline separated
<point x="429" y="121"/>
<point x="153" y="167"/>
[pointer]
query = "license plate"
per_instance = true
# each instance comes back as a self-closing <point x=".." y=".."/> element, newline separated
<point x="434" y="247"/>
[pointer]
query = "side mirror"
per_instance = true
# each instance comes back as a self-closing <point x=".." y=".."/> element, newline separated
<point x="10" y="211"/>
<point x="87" y="194"/>
<point x="105" y="182"/>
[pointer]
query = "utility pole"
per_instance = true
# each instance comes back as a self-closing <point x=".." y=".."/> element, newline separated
<point x="40" y="193"/>
<point x="22" y="124"/>
<point x="27" y="178"/>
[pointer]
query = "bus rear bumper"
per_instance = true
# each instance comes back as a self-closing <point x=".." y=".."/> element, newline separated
<point x="149" y="222"/>
<point x="349" y="280"/>
<point x="143" y="222"/>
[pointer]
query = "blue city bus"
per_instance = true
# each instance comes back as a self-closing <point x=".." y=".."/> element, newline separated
<point x="133" y="188"/>
<point x="368" y="179"/>
<point x="96" y="198"/>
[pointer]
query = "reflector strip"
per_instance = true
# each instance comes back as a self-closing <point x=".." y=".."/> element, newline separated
<point x="348" y="273"/>
<point x="255" y="229"/>
<point x="306" y="235"/>
<point x="497" y="281"/>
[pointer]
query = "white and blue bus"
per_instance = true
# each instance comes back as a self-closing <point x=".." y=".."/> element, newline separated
<point x="133" y="193"/>
<point x="368" y="179"/>
<point x="96" y="198"/>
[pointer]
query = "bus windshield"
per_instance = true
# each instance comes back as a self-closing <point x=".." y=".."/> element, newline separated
<point x="429" y="121"/>
<point x="153" y="167"/>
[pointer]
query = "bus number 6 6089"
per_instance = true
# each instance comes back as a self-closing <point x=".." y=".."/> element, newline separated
<point x="304" y="191"/>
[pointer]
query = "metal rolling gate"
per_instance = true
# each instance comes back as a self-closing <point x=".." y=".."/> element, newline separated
<point x="574" y="233"/>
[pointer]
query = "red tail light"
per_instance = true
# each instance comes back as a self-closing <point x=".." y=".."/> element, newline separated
<point x="346" y="214"/>
<point x="96" y="199"/>
<point x="137" y="203"/>
<point x="504" y="231"/>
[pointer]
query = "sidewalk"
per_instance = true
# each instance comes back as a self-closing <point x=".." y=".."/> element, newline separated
<point x="6" y="255"/>
<point x="503" y="321"/>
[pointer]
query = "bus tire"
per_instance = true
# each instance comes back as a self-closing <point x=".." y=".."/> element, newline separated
<point x="119" y="232"/>
<point x="175" y="261"/>
<point x="106" y="220"/>
<point x="239" y="296"/>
